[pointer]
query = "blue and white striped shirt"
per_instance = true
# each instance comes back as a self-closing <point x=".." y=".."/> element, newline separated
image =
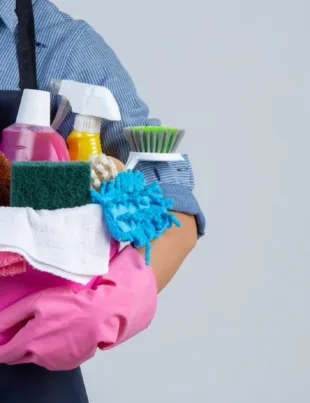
<point x="71" y="49"/>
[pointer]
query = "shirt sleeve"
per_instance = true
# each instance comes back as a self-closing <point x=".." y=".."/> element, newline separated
<point x="91" y="60"/>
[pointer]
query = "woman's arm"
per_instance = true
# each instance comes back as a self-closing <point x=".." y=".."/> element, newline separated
<point x="171" y="248"/>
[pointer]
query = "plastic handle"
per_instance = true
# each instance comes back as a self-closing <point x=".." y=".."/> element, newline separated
<point x="135" y="157"/>
<point x="62" y="112"/>
<point x="64" y="106"/>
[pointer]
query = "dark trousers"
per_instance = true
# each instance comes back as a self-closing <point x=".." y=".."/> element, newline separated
<point x="32" y="384"/>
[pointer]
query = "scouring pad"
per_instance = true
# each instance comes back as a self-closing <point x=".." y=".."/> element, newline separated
<point x="50" y="185"/>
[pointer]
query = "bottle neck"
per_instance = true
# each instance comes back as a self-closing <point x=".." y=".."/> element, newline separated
<point x="87" y="124"/>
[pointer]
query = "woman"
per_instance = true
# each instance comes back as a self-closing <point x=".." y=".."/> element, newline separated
<point x="68" y="49"/>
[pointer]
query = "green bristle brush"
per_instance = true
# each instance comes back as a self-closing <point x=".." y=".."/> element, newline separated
<point x="153" y="143"/>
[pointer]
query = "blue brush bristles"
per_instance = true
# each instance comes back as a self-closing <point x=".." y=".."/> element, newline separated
<point x="134" y="212"/>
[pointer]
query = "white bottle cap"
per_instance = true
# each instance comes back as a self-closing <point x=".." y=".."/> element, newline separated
<point x="35" y="108"/>
<point x="87" y="124"/>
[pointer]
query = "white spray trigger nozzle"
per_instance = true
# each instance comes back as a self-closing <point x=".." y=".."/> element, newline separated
<point x="88" y="100"/>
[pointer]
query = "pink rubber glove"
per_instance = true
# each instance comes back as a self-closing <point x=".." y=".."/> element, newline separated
<point x="13" y="289"/>
<point x="62" y="329"/>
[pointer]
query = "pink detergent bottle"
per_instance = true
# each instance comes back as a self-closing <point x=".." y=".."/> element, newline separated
<point x="31" y="138"/>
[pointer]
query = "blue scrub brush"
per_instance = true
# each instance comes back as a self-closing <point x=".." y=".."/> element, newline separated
<point x="134" y="212"/>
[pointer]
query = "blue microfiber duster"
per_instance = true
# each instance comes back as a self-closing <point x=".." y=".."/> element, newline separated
<point x="134" y="212"/>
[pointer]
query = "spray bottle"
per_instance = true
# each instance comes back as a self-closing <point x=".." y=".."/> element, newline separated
<point x="91" y="103"/>
<point x="31" y="138"/>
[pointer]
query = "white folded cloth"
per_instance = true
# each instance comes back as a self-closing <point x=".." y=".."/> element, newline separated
<point x="71" y="243"/>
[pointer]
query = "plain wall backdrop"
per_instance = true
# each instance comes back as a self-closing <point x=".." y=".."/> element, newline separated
<point x="233" y="326"/>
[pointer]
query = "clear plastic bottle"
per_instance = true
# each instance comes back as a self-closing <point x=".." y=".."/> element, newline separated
<point x="31" y="138"/>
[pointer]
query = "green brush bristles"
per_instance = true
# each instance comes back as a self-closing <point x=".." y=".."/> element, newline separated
<point x="153" y="139"/>
<point x="50" y="185"/>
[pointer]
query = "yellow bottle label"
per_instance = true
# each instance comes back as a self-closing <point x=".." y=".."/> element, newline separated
<point x="82" y="145"/>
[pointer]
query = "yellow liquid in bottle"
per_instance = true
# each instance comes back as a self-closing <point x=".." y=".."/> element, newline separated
<point x="82" y="145"/>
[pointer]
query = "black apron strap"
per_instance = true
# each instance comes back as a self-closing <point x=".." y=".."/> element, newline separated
<point x="26" y="48"/>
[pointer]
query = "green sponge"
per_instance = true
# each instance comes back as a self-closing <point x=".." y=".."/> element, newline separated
<point x="50" y="185"/>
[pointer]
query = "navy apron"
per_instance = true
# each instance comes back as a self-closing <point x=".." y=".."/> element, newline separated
<point x="30" y="383"/>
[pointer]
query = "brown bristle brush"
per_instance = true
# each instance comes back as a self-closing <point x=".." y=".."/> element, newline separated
<point x="5" y="180"/>
<point x="103" y="169"/>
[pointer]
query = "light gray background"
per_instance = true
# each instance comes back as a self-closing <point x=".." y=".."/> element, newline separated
<point x="233" y="326"/>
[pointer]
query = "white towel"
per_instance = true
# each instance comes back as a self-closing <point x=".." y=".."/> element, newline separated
<point x="70" y="243"/>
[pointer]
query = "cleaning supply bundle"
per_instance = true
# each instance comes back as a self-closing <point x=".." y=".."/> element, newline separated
<point x="153" y="143"/>
<point x="91" y="103"/>
<point x="31" y="138"/>
<point x="69" y="210"/>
